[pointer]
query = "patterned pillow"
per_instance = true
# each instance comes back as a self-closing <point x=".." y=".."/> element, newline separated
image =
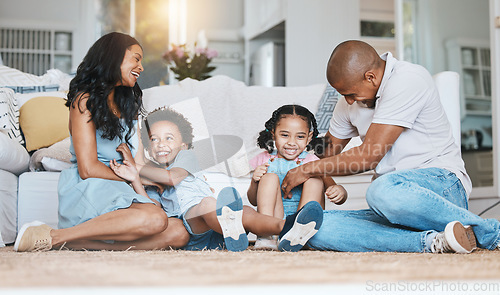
<point x="32" y="89"/>
<point x="13" y="129"/>
<point x="325" y="108"/>
<point x="9" y="117"/>
<point x="4" y="110"/>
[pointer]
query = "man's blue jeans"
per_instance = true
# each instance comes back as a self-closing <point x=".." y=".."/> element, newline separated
<point x="405" y="207"/>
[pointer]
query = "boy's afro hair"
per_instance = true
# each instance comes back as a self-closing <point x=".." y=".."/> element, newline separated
<point x="166" y="114"/>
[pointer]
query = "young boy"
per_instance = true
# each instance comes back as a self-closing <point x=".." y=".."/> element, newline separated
<point x="212" y="223"/>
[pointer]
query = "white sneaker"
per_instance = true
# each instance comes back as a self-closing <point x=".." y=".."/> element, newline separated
<point x="266" y="243"/>
<point x="455" y="238"/>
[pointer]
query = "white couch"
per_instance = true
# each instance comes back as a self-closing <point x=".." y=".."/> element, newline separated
<point x="217" y="106"/>
<point x="14" y="158"/>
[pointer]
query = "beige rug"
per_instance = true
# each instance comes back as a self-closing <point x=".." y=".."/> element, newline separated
<point x="183" y="268"/>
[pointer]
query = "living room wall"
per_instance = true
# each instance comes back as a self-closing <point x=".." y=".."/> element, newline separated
<point x="74" y="15"/>
<point x="452" y="19"/>
<point x="447" y="19"/>
<point x="222" y="20"/>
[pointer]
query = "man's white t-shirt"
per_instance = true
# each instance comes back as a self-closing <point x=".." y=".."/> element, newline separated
<point x="407" y="97"/>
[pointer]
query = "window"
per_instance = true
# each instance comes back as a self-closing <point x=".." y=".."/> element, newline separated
<point x="147" y="21"/>
<point x="409" y="31"/>
<point x="377" y="29"/>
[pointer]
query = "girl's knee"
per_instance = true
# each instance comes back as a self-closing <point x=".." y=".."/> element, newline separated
<point x="314" y="182"/>
<point x="313" y="190"/>
<point x="270" y="177"/>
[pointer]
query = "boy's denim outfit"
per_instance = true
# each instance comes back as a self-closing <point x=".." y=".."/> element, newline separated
<point x="403" y="206"/>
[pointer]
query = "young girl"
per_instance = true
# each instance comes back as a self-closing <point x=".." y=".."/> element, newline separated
<point x="212" y="223"/>
<point x="292" y="128"/>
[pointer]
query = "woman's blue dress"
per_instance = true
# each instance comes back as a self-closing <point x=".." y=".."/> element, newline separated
<point x="81" y="200"/>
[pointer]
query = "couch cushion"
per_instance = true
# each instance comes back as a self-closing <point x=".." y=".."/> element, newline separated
<point x="44" y="121"/>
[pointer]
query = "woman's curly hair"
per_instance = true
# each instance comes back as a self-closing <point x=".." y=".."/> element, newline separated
<point x="97" y="76"/>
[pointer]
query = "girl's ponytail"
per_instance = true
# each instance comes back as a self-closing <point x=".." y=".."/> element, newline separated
<point x="265" y="139"/>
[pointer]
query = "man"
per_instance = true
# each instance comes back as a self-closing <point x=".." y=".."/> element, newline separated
<point x="421" y="184"/>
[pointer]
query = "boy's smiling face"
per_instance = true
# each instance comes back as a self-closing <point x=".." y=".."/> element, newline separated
<point x="165" y="142"/>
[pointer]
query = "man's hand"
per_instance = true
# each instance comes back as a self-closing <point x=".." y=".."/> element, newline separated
<point x="337" y="194"/>
<point x="293" y="178"/>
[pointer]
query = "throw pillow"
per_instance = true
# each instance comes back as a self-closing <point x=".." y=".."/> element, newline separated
<point x="14" y="77"/>
<point x="9" y="123"/>
<point x="22" y="98"/>
<point x="54" y="165"/>
<point x="44" y="121"/>
<point x="4" y="110"/>
<point x="11" y="76"/>
<point x="12" y="98"/>
<point x="325" y="108"/>
<point x="33" y="89"/>
<point x="53" y="158"/>
<point x="13" y="156"/>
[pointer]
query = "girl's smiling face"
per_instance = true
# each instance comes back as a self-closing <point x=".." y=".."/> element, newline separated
<point x="291" y="136"/>
<point x="131" y="66"/>
<point x="165" y="142"/>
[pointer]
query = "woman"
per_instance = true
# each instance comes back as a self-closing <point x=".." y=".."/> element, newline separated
<point x="95" y="205"/>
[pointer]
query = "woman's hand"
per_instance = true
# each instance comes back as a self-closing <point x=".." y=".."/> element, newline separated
<point x="337" y="194"/>
<point x="259" y="172"/>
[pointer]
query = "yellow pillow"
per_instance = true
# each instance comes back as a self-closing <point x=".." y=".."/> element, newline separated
<point x="44" y="121"/>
